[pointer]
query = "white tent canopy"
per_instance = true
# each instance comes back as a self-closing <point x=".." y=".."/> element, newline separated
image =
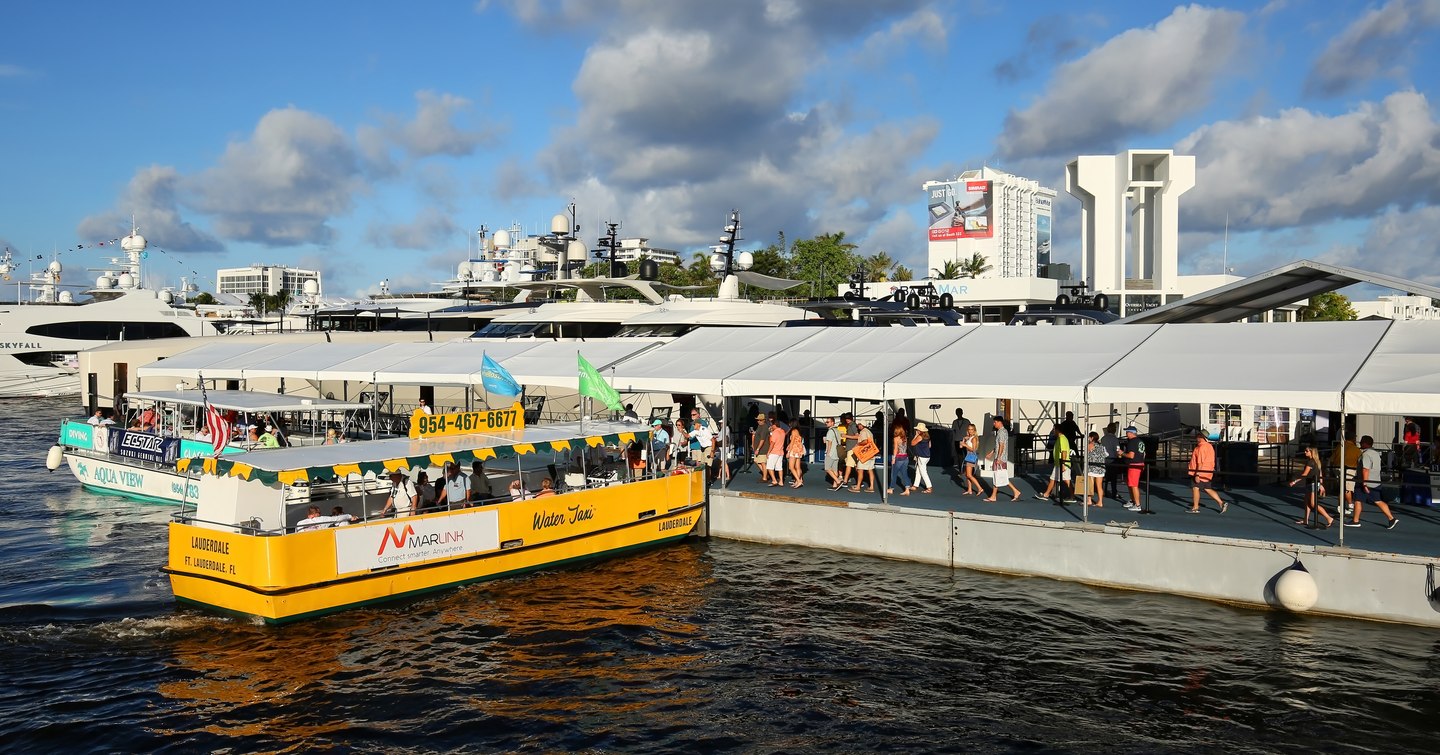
<point x="1401" y="375"/>
<point x="1039" y="363"/>
<point x="1266" y="364"/>
<point x="697" y="362"/>
<point x="1362" y="367"/>
<point x="854" y="362"/>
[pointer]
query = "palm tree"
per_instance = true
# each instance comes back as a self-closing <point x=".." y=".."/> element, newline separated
<point x="280" y="301"/>
<point x="878" y="266"/>
<point x="260" y="303"/>
<point x="975" y="266"/>
<point x="951" y="271"/>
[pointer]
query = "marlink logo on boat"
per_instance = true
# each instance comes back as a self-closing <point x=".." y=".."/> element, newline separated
<point x="406" y="539"/>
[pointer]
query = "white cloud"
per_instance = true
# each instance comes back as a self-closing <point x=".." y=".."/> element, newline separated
<point x="689" y="109"/>
<point x="1302" y="168"/>
<point x="1380" y="41"/>
<point x="152" y="199"/>
<point x="430" y="228"/>
<point x="1399" y="243"/>
<point x="924" y="27"/>
<point x="1139" y="82"/>
<point x="281" y="186"/>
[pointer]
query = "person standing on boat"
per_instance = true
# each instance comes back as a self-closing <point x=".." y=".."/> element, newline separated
<point x="795" y="454"/>
<point x="659" y="448"/>
<point x="455" y="489"/>
<point x="1368" y="489"/>
<point x="1060" y="467"/>
<point x="1202" y="472"/>
<point x="899" y="462"/>
<point x="480" y="492"/>
<point x="1002" y="461"/>
<point x="425" y="407"/>
<point x="1313" y="475"/>
<point x="402" y="495"/>
<point x="99" y="418"/>
<point x="680" y="442"/>
<point x="702" y="439"/>
<point x="864" y="469"/>
<point x="775" y="460"/>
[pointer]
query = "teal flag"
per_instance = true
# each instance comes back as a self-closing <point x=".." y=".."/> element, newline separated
<point x="594" y="386"/>
<point x="497" y="379"/>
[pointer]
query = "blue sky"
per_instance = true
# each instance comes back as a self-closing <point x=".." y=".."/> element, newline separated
<point x="370" y="139"/>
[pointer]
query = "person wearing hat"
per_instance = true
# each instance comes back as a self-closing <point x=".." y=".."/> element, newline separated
<point x="832" y="445"/>
<point x="1002" y="463"/>
<point x="659" y="447"/>
<point x="402" y="495"/>
<point x="1134" y="456"/>
<point x="454" y="488"/>
<point x="920" y="452"/>
<point x="1202" y="472"/>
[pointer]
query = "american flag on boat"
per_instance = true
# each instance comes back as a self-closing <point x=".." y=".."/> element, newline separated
<point x="215" y="423"/>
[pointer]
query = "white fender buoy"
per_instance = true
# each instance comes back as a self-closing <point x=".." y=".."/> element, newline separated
<point x="1296" y="590"/>
<point x="54" y="458"/>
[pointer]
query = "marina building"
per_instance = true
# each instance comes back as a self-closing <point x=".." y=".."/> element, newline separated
<point x="265" y="279"/>
<point x="1398" y="307"/>
<point x="1003" y="217"/>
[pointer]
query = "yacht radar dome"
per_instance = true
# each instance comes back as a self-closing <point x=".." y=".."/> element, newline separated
<point x="66" y="297"/>
<point x="55" y="267"/>
<point x="126" y="280"/>
<point x="133" y="243"/>
<point x="745" y="261"/>
<point x="167" y="297"/>
<point x="501" y="239"/>
<point x="312" y="288"/>
<point x="104" y="281"/>
<point x="560" y="225"/>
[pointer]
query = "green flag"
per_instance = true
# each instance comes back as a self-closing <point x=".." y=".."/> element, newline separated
<point x="594" y="386"/>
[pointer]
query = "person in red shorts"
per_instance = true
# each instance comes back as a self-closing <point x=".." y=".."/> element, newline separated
<point x="1134" y="456"/>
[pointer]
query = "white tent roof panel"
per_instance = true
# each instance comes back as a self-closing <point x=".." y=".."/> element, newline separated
<point x="1279" y="364"/>
<point x="841" y="361"/>
<point x="1039" y="363"/>
<point x="1402" y="375"/>
<point x="306" y="363"/>
<point x="699" y="360"/>
<point x="187" y="363"/>
<point x="554" y="363"/>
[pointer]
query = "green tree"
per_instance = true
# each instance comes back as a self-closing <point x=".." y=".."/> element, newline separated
<point x="204" y="297"/>
<point x="903" y="273"/>
<point x="259" y="302"/>
<point x="1331" y="305"/>
<point x="279" y="302"/>
<point x="825" y="261"/>
<point x="877" y="267"/>
<point x="952" y="270"/>
<point x="974" y="267"/>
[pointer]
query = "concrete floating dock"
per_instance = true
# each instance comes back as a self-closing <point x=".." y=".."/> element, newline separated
<point x="1380" y="574"/>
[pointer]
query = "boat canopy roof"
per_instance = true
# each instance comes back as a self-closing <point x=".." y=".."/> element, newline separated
<point x="246" y="401"/>
<point x="380" y="457"/>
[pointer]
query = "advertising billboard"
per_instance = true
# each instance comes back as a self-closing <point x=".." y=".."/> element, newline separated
<point x="961" y="210"/>
<point x="1042" y="230"/>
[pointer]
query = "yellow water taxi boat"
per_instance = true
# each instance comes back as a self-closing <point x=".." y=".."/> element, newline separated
<point x="249" y="544"/>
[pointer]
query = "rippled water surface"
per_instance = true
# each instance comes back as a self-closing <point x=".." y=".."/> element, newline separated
<point x="708" y="646"/>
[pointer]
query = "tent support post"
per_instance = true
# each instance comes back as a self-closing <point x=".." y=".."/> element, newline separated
<point x="885" y="459"/>
<point x="1084" y="468"/>
<point x="1340" y="479"/>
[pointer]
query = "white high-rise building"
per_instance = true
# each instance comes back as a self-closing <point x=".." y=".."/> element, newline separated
<point x="1004" y="218"/>
<point x="1129" y="216"/>
<point x="265" y="279"/>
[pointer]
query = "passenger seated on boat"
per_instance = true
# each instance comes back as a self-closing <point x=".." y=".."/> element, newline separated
<point x="547" y="488"/>
<point x="402" y="495"/>
<point x="518" y="491"/>
<point x="426" y="491"/>
<point x="331" y="437"/>
<point x="100" y="418"/>
<point x="313" y="520"/>
<point x="339" y="518"/>
<point x="480" y="492"/>
<point x="264" y="440"/>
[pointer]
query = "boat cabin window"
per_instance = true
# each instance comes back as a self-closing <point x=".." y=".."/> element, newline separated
<point x="92" y="330"/>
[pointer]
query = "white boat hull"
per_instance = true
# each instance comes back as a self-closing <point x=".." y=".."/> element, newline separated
<point x="130" y="479"/>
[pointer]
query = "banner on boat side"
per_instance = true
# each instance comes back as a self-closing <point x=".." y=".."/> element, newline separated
<point x="424" y="425"/>
<point x="408" y="540"/>
<point x="144" y="447"/>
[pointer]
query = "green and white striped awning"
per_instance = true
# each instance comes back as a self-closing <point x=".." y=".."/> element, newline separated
<point x="380" y="457"/>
